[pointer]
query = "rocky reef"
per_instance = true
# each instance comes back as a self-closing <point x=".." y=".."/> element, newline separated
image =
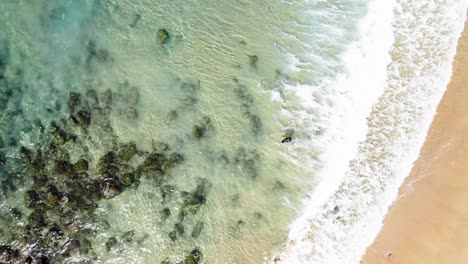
<point x="65" y="182"/>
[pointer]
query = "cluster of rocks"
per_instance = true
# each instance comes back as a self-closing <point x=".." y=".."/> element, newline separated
<point x="247" y="161"/>
<point x="67" y="184"/>
<point x="246" y="107"/>
<point x="189" y="92"/>
<point x="191" y="205"/>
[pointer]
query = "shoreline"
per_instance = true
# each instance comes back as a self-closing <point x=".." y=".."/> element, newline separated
<point x="427" y="222"/>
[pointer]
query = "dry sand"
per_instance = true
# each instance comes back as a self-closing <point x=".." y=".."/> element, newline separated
<point x="429" y="221"/>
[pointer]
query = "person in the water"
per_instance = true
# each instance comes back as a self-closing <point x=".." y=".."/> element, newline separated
<point x="286" y="140"/>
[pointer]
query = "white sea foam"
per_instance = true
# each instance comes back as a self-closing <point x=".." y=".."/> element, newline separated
<point x="357" y="90"/>
<point x="425" y="43"/>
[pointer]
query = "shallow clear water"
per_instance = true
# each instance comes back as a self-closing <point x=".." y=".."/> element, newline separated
<point x="179" y="109"/>
<point x="228" y="62"/>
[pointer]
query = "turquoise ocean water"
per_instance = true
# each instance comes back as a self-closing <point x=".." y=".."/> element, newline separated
<point x="151" y="131"/>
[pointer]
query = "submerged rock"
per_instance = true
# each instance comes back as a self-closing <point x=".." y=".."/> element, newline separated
<point x="189" y="101"/>
<point x="195" y="257"/>
<point x="247" y="161"/>
<point x="92" y="97"/>
<point x="82" y="118"/>
<point x="336" y="209"/>
<point x="197" y="198"/>
<point x="80" y="166"/>
<point x="106" y="98"/>
<point x="167" y="191"/>
<point x="165" y="213"/>
<point x="102" y="55"/>
<point x="279" y="186"/>
<point x="86" y="245"/>
<point x="111" y="242"/>
<point x="9" y="254"/>
<point x="253" y="60"/>
<point x="153" y="163"/>
<point x="26" y="155"/>
<point x="135" y="20"/>
<point x="35" y="199"/>
<point x="190" y="87"/>
<point x="162" y="37"/>
<point x="128" y="179"/>
<point x="172" y="115"/>
<point x="131" y="113"/>
<point x="200" y="130"/>
<point x="128" y="236"/>
<point x="176" y="158"/>
<point x="133" y="96"/>
<point x="74" y="100"/>
<point x="197" y="229"/>
<point x="63" y="168"/>
<point x="173" y="235"/>
<point x="128" y="151"/>
<point x="179" y="228"/>
<point x="36" y="219"/>
<point x="2" y="159"/>
<point x="256" y="124"/>
<point x="107" y="164"/>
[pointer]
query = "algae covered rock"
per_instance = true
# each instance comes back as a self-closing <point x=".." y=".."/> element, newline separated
<point x="128" y="151"/>
<point x="35" y="199"/>
<point x="253" y="60"/>
<point x="107" y="163"/>
<point x="2" y="159"/>
<point x="198" y="131"/>
<point x="201" y="129"/>
<point x="179" y="228"/>
<point x="128" y="236"/>
<point x="256" y="124"/>
<point x="197" y="229"/>
<point x="197" y="198"/>
<point x="162" y="37"/>
<point x="165" y="213"/>
<point x="111" y="242"/>
<point x="106" y="98"/>
<point x="173" y="235"/>
<point x="82" y="118"/>
<point x="195" y="256"/>
<point x="74" y="99"/>
<point x="80" y="166"/>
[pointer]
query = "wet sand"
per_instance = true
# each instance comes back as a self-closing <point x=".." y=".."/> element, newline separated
<point x="429" y="221"/>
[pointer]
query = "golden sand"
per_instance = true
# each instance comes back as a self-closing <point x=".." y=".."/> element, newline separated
<point x="429" y="221"/>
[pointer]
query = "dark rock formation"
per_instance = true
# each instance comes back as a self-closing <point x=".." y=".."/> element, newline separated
<point x="162" y="37"/>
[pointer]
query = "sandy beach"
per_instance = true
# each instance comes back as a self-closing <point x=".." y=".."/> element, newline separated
<point x="429" y="221"/>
